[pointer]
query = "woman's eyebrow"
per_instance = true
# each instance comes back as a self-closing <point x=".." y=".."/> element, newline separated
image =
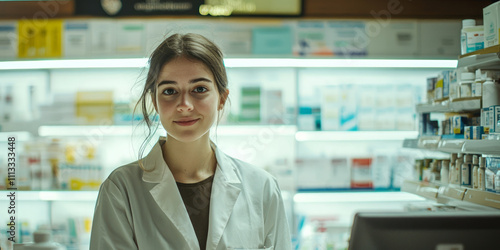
<point x="199" y="79"/>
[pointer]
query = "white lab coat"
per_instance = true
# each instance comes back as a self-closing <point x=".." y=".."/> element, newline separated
<point x="143" y="210"/>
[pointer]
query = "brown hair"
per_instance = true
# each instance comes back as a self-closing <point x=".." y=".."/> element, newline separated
<point x="191" y="46"/>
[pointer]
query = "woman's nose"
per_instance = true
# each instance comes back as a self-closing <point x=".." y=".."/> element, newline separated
<point x="185" y="103"/>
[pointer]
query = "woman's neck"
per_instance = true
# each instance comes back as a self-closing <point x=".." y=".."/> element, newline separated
<point x="189" y="162"/>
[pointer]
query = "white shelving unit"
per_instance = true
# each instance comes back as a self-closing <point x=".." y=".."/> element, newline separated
<point x="447" y="107"/>
<point x="464" y="198"/>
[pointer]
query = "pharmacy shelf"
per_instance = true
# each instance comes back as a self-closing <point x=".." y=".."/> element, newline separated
<point x="361" y="196"/>
<point x="486" y="147"/>
<point x="24" y="195"/>
<point x="451" y="146"/>
<point x="354" y="135"/>
<point x="436" y="143"/>
<point x="447" y="107"/>
<point x="488" y="58"/>
<point x="126" y="130"/>
<point x="461" y="197"/>
<point x="244" y="62"/>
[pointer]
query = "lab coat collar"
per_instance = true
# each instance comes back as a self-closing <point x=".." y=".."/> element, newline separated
<point x="226" y="188"/>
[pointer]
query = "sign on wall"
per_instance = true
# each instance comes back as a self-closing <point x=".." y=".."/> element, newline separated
<point x="189" y="7"/>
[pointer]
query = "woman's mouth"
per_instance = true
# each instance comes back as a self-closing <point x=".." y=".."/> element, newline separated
<point x="186" y="122"/>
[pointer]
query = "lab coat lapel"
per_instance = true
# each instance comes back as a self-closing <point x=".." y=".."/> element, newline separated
<point x="226" y="188"/>
<point x="166" y="194"/>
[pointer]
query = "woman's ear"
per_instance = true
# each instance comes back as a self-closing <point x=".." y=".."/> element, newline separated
<point x="222" y="99"/>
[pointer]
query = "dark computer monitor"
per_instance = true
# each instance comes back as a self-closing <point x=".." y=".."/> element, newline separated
<point x="425" y="230"/>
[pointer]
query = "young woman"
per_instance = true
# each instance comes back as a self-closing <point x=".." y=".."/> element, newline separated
<point x="186" y="193"/>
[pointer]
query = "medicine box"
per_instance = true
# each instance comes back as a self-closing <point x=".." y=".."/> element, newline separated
<point x="494" y="119"/>
<point x="492" y="167"/>
<point x="491" y="20"/>
<point x="458" y="124"/>
<point x="361" y="173"/>
<point x="494" y="116"/>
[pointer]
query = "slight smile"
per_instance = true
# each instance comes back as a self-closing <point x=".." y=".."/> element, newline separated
<point x="187" y="122"/>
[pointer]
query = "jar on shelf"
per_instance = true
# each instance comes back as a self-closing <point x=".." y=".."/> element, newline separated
<point x="466" y="80"/>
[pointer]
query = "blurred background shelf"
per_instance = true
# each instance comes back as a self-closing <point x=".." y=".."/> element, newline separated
<point x="354" y="135"/>
<point x="25" y="195"/>
<point x="465" y="198"/>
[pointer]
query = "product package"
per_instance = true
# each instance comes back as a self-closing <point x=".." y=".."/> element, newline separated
<point x="491" y="20"/>
<point x="491" y="174"/>
<point x="361" y="173"/>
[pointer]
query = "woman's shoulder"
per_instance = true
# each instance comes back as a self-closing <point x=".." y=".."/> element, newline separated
<point x="130" y="172"/>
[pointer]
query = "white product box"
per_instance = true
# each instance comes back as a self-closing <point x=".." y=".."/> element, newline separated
<point x="310" y="38"/>
<point x="323" y="173"/>
<point x="102" y="37"/>
<point x="130" y="37"/>
<point x="76" y="38"/>
<point x="331" y="108"/>
<point x="343" y="38"/>
<point x="234" y="39"/>
<point x="381" y="171"/>
<point x="491" y="20"/>
<point x="272" y="109"/>
<point x="8" y="40"/>
<point x="495" y="112"/>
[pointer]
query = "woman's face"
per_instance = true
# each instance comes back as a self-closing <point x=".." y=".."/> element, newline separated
<point x="187" y="99"/>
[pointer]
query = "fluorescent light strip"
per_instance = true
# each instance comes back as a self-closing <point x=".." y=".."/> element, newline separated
<point x="233" y="63"/>
<point x="338" y="63"/>
<point x="68" y="195"/>
<point x="75" y="64"/>
<point x="85" y="131"/>
<point x="336" y="197"/>
<point x="355" y="135"/>
<point x="246" y="130"/>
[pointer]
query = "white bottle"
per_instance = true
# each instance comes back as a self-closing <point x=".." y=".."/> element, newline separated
<point x="475" y="167"/>
<point x="491" y="93"/>
<point x="472" y="36"/>
<point x="445" y="171"/>
<point x="465" y="178"/>
<point x="466" y="25"/>
<point x="481" y="173"/>
<point x="466" y="81"/>
<point x="452" y="168"/>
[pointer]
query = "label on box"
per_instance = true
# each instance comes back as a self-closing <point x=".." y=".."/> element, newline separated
<point x="8" y="40"/>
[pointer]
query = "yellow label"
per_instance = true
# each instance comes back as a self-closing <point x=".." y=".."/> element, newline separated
<point x="40" y="38"/>
<point x="439" y="83"/>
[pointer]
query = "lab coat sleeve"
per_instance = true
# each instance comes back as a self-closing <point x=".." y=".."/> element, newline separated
<point x="275" y="222"/>
<point x="112" y="223"/>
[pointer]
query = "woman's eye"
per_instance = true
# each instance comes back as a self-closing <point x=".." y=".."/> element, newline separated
<point x="200" y="89"/>
<point x="169" y="91"/>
